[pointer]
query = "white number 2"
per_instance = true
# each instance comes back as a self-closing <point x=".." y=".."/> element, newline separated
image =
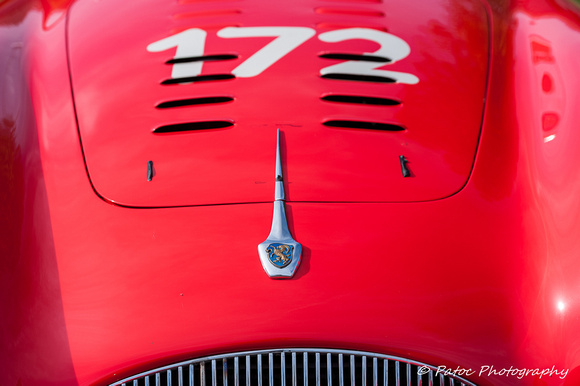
<point x="392" y="47"/>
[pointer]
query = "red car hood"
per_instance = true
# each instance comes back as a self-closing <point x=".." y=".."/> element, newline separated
<point x="92" y="292"/>
<point x="338" y="145"/>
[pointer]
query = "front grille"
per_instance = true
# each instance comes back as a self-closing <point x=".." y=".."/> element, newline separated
<point x="295" y="367"/>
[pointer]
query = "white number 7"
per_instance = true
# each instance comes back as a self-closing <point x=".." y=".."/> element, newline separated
<point x="288" y="38"/>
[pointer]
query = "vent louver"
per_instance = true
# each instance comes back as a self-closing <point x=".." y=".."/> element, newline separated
<point x="194" y="102"/>
<point x="295" y="367"/>
<point x="192" y="126"/>
<point x="347" y="124"/>
<point x="349" y="11"/>
<point x="344" y="56"/>
<point x="358" y="99"/>
<point x="358" y="78"/>
<point x="204" y="58"/>
<point x="207" y="13"/>
<point x="199" y="78"/>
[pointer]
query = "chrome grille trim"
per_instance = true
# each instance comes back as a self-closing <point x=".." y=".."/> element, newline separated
<point x="283" y="368"/>
<point x="237" y="371"/>
<point x="385" y="371"/>
<point x="364" y="370"/>
<point x="271" y="369"/>
<point x="341" y="369"/>
<point x="305" y="367"/>
<point x="295" y="367"/>
<point x="317" y="369"/>
<point x="213" y="373"/>
<point x="225" y="372"/>
<point x="328" y="369"/>
<point x="352" y="370"/>
<point x="375" y="371"/>
<point x="248" y="372"/>
<point x="294" y="381"/>
<point x="259" y="369"/>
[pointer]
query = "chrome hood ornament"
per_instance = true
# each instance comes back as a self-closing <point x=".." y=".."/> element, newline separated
<point x="280" y="253"/>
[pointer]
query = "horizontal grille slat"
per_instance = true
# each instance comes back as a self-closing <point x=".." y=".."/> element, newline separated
<point x="296" y="367"/>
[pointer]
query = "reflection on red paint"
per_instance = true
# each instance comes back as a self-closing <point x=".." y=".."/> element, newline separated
<point x="547" y="83"/>
<point x="541" y="51"/>
<point x="551" y="97"/>
<point x="550" y="121"/>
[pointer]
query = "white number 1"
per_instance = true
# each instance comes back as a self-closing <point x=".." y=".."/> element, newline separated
<point x="190" y="43"/>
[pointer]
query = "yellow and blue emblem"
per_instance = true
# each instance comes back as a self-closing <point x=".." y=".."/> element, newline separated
<point x="280" y="254"/>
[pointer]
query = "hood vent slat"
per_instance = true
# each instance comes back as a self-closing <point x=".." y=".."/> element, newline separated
<point x="359" y="78"/>
<point x="200" y="78"/>
<point x="204" y="58"/>
<point x="350" y="124"/>
<point x="194" y="102"/>
<point x="365" y="58"/>
<point x="208" y="13"/>
<point x="349" y="11"/>
<point x="192" y="126"/>
<point x="363" y="100"/>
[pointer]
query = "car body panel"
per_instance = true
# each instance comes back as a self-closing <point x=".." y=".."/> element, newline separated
<point x="93" y="292"/>
<point x="234" y="164"/>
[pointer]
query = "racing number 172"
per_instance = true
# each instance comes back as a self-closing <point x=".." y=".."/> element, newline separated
<point x="191" y="43"/>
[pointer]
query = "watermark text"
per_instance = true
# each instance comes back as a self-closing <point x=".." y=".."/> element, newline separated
<point x="488" y="371"/>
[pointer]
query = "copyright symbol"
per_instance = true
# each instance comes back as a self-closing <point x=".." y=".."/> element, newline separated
<point x="423" y="370"/>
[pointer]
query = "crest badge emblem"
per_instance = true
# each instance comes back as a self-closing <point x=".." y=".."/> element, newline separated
<point x="280" y="253"/>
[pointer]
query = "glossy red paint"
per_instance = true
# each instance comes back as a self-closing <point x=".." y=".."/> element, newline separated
<point x="449" y="56"/>
<point x="93" y="291"/>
